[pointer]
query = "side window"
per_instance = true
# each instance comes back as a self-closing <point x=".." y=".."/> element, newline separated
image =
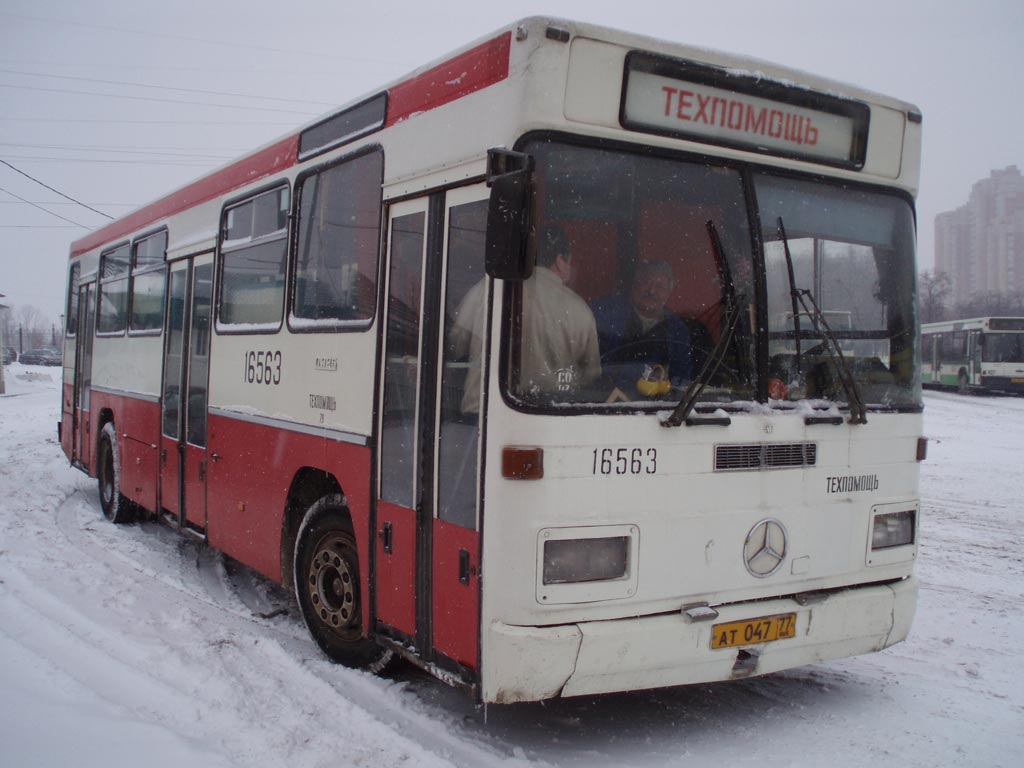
<point x="199" y="354"/>
<point x="114" y="268"/>
<point x="464" y="329"/>
<point x="72" y="308"/>
<point x="147" y="290"/>
<point x="948" y="347"/>
<point x="338" y="244"/>
<point x="399" y="464"/>
<point x="960" y="344"/>
<point x="253" y="246"/>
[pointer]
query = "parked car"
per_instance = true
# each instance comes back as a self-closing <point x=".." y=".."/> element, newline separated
<point x="10" y="355"/>
<point x="44" y="356"/>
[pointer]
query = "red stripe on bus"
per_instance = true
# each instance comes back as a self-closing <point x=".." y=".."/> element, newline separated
<point x="276" y="157"/>
<point x="467" y="73"/>
<point x="460" y="76"/>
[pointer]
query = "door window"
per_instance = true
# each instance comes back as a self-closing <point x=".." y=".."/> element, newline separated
<point x="399" y="475"/>
<point x="172" y="355"/>
<point x="199" y="354"/>
<point x="464" y="327"/>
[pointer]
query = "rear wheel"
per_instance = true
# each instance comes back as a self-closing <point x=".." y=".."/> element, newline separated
<point x="116" y="508"/>
<point x="328" y="585"/>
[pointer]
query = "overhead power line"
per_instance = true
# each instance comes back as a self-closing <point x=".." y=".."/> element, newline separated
<point x="201" y="154"/>
<point x="34" y="205"/>
<point x="40" y="226"/>
<point x="108" y="161"/>
<point x="152" y="98"/>
<point x="66" y="197"/>
<point x="166" y="87"/>
<point x="105" y="121"/>
<point x="62" y="202"/>
<point x="219" y="43"/>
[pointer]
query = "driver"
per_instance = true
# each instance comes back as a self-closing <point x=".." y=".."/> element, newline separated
<point x="638" y="332"/>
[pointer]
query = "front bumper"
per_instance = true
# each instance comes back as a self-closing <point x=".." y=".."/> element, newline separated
<point x="534" y="663"/>
<point x="1013" y="384"/>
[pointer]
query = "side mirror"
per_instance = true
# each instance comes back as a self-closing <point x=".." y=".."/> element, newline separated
<point x="508" y="176"/>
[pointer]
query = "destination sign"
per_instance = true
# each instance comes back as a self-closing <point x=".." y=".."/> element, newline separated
<point x="720" y="107"/>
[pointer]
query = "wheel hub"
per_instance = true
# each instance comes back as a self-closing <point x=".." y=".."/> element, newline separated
<point x="332" y="586"/>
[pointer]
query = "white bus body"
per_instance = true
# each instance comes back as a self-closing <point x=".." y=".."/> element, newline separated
<point x="525" y="538"/>
<point x="983" y="354"/>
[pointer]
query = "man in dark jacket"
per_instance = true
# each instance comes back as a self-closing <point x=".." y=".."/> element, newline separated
<point x="637" y="332"/>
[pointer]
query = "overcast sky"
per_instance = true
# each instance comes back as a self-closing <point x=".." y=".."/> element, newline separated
<point x="116" y="102"/>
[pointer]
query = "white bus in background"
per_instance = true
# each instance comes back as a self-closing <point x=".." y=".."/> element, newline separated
<point x="332" y="360"/>
<point x="983" y="354"/>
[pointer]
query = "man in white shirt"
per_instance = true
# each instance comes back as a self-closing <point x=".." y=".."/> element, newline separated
<point x="558" y="349"/>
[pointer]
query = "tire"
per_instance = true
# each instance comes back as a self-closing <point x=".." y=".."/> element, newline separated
<point x="116" y="508"/>
<point x="328" y="586"/>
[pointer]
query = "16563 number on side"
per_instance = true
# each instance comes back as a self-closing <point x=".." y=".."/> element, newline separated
<point x="625" y="461"/>
<point x="263" y="367"/>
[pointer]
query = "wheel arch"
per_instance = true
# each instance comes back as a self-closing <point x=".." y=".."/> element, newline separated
<point x="117" y="507"/>
<point x="104" y="417"/>
<point x="308" y="485"/>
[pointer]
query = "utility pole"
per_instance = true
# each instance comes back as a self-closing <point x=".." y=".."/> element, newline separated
<point x="3" y="324"/>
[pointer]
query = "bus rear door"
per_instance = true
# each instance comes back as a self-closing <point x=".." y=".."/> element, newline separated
<point x="183" y="455"/>
<point x="81" y="444"/>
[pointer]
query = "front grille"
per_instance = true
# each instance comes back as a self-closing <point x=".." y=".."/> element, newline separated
<point x="750" y="456"/>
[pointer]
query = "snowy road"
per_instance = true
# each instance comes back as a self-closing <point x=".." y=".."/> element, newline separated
<point x="134" y="645"/>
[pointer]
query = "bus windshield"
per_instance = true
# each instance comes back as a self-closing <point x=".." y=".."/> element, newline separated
<point x="847" y="263"/>
<point x="645" y="280"/>
<point x="1004" y="347"/>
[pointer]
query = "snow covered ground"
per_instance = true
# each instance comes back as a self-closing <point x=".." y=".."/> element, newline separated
<point x="136" y="646"/>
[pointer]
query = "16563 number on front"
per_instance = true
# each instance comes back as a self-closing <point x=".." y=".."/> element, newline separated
<point x="625" y="461"/>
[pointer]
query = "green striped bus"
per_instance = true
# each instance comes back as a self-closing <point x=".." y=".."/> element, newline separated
<point x="983" y="354"/>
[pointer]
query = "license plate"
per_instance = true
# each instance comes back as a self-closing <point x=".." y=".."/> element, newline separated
<point x="753" y="631"/>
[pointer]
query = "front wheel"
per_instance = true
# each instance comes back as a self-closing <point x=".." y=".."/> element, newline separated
<point x="328" y="586"/>
<point x="116" y="508"/>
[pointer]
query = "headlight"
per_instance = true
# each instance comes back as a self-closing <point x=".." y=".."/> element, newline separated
<point x="577" y="560"/>
<point x="894" y="529"/>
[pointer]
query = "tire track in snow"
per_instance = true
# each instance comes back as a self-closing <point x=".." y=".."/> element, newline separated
<point x="200" y="592"/>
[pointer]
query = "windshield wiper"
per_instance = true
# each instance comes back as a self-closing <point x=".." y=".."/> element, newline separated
<point x="794" y="294"/>
<point x="803" y="296"/>
<point x="711" y="366"/>
<point x="717" y="356"/>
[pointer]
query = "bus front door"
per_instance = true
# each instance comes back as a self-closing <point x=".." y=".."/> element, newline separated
<point x="976" y="350"/>
<point x="183" y="455"/>
<point x="81" y="444"/>
<point x="427" y="550"/>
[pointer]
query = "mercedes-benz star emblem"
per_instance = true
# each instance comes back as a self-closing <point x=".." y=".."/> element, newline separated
<point x="765" y="548"/>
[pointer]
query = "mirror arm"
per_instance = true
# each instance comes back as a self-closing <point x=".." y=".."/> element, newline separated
<point x="508" y="175"/>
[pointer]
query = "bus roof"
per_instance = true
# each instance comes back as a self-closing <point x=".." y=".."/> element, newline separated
<point x="469" y="69"/>
<point x="994" y="323"/>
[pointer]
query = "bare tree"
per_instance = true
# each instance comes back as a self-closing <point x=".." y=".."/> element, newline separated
<point x="933" y="291"/>
<point x="32" y="325"/>
<point x="992" y="303"/>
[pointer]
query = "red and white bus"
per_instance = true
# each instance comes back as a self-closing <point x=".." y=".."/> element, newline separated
<point x="526" y="367"/>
